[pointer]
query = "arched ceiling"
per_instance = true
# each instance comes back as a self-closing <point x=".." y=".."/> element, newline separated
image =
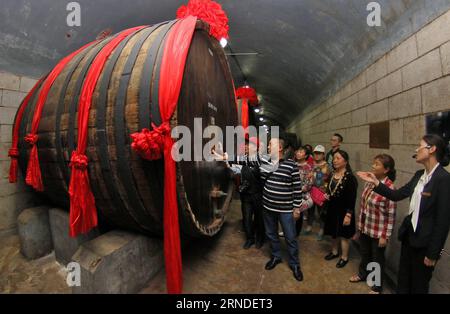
<point x="293" y="52"/>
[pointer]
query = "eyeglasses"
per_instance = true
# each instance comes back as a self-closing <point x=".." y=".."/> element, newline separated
<point x="420" y="147"/>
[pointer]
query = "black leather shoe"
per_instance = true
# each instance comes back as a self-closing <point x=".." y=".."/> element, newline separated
<point x="274" y="261"/>
<point x="248" y="244"/>
<point x="331" y="256"/>
<point x="341" y="263"/>
<point x="298" y="275"/>
<point x="259" y="244"/>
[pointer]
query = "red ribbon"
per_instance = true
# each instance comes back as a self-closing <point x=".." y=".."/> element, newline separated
<point x="244" y="113"/>
<point x="13" y="152"/>
<point x="171" y="77"/>
<point x="33" y="176"/>
<point x="148" y="144"/>
<point x="83" y="214"/>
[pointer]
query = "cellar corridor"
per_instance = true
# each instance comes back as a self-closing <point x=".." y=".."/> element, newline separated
<point x="116" y="119"/>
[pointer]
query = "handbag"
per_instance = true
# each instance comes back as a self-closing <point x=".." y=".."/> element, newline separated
<point x="317" y="196"/>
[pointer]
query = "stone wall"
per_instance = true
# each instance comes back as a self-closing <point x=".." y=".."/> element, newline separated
<point x="13" y="197"/>
<point x="407" y="83"/>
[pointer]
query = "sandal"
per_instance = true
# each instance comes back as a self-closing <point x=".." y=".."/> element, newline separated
<point x="355" y="279"/>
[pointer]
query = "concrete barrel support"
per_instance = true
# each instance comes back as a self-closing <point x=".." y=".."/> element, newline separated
<point x="118" y="262"/>
<point x="34" y="232"/>
<point x="65" y="246"/>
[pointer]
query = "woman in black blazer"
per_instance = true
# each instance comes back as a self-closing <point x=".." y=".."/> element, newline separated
<point x="425" y="228"/>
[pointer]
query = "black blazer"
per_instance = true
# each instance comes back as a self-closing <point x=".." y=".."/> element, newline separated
<point x="434" y="216"/>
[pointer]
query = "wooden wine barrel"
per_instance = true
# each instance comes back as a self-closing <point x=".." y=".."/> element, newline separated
<point x="129" y="190"/>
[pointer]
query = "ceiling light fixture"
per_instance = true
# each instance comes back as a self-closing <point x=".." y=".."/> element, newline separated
<point x="223" y="42"/>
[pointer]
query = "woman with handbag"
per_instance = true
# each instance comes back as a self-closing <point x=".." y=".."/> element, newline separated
<point x="376" y="221"/>
<point x="425" y="228"/>
<point x="320" y="176"/>
<point x="306" y="180"/>
<point x="340" y="213"/>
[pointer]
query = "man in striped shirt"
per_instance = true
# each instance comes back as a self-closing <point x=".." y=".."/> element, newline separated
<point x="282" y="193"/>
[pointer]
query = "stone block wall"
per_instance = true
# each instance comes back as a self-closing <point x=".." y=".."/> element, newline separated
<point x="13" y="197"/>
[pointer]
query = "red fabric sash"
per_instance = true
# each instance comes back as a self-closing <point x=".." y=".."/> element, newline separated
<point x="171" y="77"/>
<point x="152" y="144"/>
<point x="13" y="152"/>
<point x="244" y="113"/>
<point x="33" y="176"/>
<point x="83" y="214"/>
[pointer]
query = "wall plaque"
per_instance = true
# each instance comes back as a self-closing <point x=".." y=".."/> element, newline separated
<point x="379" y="135"/>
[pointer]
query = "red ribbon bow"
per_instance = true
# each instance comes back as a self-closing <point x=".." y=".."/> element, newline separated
<point x="209" y="11"/>
<point x="149" y="144"/>
<point x="13" y="153"/>
<point x="31" y="138"/>
<point x="78" y="161"/>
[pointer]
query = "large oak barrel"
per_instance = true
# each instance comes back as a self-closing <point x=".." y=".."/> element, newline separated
<point x="129" y="190"/>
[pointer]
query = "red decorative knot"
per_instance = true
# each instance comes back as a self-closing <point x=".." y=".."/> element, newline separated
<point x="79" y="161"/>
<point x="31" y="138"/>
<point x="150" y="144"/>
<point x="209" y="11"/>
<point x="248" y="93"/>
<point x="13" y="153"/>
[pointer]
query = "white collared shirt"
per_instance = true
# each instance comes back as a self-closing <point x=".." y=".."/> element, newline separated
<point x="414" y="206"/>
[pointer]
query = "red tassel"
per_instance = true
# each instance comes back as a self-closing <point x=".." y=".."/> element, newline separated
<point x="83" y="214"/>
<point x="13" y="151"/>
<point x="14" y="155"/>
<point x="33" y="176"/>
<point x="151" y="145"/>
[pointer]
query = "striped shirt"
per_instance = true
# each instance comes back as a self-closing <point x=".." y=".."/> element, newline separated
<point x="282" y="190"/>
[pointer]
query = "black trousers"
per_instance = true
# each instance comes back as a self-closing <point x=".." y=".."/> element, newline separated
<point x="252" y="217"/>
<point x="371" y="252"/>
<point x="312" y="215"/>
<point x="413" y="276"/>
